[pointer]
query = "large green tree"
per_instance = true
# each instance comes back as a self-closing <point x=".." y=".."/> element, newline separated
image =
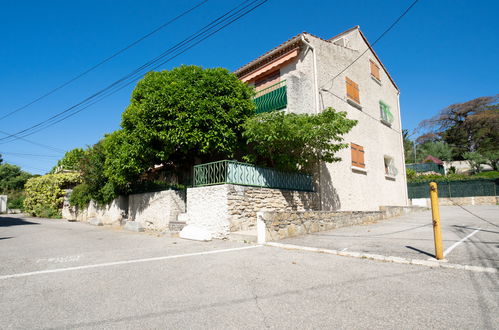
<point x="292" y="142"/>
<point x="70" y="161"/>
<point x="437" y="149"/>
<point x="178" y="118"/>
<point x="471" y="126"/>
<point x="12" y="178"/>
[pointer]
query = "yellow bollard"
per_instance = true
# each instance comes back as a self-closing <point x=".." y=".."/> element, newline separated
<point x="435" y="213"/>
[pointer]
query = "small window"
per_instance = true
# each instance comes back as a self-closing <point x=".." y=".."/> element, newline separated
<point x="390" y="169"/>
<point x="352" y="90"/>
<point x="385" y="113"/>
<point x="375" y="70"/>
<point x="357" y="155"/>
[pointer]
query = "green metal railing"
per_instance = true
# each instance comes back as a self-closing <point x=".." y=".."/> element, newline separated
<point x="271" y="98"/>
<point x="426" y="167"/>
<point x="233" y="172"/>
<point x="467" y="188"/>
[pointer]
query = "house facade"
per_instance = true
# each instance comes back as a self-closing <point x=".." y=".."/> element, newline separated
<point x="307" y="74"/>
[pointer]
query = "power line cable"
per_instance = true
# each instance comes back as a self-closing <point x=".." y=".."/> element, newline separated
<point x="106" y="59"/>
<point x="36" y="143"/>
<point x="23" y="154"/>
<point x="232" y="16"/>
<point x="376" y="41"/>
<point x="134" y="79"/>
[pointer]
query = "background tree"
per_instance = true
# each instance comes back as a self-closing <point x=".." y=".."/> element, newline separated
<point x="408" y="147"/>
<point x="292" y="142"/>
<point x="178" y="118"/>
<point x="468" y="127"/>
<point x="70" y="161"/>
<point x="492" y="158"/>
<point x="475" y="160"/>
<point x="94" y="185"/>
<point x="438" y="149"/>
<point x="12" y="178"/>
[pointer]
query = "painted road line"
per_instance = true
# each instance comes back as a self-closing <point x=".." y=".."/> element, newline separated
<point x="453" y="246"/>
<point x="125" y="262"/>
<point x="378" y="257"/>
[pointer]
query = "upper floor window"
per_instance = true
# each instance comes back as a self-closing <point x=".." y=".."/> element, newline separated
<point x="375" y="71"/>
<point x="385" y="113"/>
<point x="352" y="90"/>
<point x="357" y="155"/>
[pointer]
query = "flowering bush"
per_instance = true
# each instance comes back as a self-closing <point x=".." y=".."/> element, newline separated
<point x="45" y="194"/>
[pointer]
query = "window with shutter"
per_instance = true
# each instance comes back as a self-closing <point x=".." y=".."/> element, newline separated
<point x="357" y="155"/>
<point x="352" y="90"/>
<point x="375" y="70"/>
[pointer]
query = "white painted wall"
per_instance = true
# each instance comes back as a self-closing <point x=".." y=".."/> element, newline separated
<point x="155" y="210"/>
<point x="341" y="187"/>
<point x="207" y="208"/>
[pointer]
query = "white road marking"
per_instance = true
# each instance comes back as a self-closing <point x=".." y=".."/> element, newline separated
<point x="377" y="257"/>
<point x="453" y="246"/>
<point x="59" y="260"/>
<point x="125" y="262"/>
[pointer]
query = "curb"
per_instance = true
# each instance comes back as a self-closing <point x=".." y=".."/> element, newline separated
<point x="378" y="257"/>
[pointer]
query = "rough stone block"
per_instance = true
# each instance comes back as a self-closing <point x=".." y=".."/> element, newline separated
<point x="95" y="222"/>
<point x="134" y="226"/>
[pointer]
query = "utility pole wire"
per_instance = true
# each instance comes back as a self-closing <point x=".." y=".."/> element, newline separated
<point x="105" y="60"/>
<point x="375" y="41"/>
<point x="204" y="33"/>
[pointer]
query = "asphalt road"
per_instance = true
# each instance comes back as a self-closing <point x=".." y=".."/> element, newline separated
<point x="60" y="275"/>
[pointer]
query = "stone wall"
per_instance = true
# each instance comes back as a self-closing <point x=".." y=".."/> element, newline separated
<point x="227" y="208"/>
<point x="110" y="214"/>
<point x="152" y="210"/>
<point x="244" y="202"/>
<point x="156" y="210"/>
<point x="476" y="200"/>
<point x="278" y="225"/>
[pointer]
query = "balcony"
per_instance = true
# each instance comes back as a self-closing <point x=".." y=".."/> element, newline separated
<point x="233" y="172"/>
<point x="271" y="98"/>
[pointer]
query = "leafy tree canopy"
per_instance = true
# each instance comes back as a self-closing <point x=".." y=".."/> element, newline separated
<point x="183" y="116"/>
<point x="70" y="161"/>
<point x="468" y="127"/>
<point x="293" y="142"/>
<point x="437" y="149"/>
<point x="12" y="178"/>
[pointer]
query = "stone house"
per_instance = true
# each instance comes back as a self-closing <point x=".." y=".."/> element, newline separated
<point x="307" y="74"/>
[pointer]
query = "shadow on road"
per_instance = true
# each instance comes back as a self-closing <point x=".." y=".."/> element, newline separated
<point x="8" y="221"/>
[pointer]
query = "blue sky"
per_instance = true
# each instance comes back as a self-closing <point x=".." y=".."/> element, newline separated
<point x="442" y="52"/>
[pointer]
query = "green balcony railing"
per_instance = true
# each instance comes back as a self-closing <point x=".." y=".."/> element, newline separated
<point x="271" y="98"/>
<point x="233" y="172"/>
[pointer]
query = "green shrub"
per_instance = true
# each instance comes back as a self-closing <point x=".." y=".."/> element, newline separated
<point x="453" y="177"/>
<point x="45" y="194"/>
<point x="15" y="200"/>
<point x="411" y="174"/>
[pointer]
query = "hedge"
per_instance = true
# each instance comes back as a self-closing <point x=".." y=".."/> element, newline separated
<point x="45" y="194"/>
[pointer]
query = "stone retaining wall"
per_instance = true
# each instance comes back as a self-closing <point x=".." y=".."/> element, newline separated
<point x="110" y="214"/>
<point x="227" y="208"/>
<point x="278" y="225"/>
<point x="156" y="210"/>
<point x="152" y="210"/>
